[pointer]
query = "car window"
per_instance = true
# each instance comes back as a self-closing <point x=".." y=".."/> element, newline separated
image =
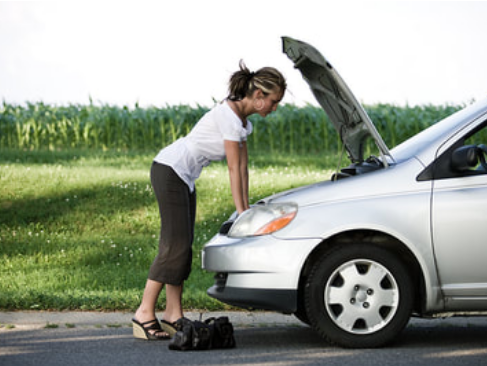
<point x="474" y="144"/>
<point x="479" y="139"/>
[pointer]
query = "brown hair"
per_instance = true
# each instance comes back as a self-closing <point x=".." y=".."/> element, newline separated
<point x="244" y="82"/>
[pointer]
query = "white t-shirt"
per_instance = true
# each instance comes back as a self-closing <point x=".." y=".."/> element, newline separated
<point x="204" y="144"/>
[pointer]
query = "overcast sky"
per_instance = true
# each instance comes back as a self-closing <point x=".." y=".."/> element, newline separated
<point x="183" y="52"/>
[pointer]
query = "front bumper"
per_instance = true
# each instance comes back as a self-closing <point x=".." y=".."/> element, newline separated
<point x="284" y="301"/>
<point x="259" y="272"/>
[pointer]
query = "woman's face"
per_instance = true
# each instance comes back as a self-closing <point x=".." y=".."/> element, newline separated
<point x="270" y="103"/>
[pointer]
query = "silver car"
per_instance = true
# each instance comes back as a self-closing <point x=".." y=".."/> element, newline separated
<point x="396" y="235"/>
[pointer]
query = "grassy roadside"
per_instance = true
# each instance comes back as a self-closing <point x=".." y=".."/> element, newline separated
<point x="79" y="229"/>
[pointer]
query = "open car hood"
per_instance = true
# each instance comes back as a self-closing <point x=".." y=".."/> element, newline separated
<point x="345" y="112"/>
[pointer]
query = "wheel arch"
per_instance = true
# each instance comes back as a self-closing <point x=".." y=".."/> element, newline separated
<point x="379" y="239"/>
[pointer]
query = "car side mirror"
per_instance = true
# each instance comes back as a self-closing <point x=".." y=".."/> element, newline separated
<point x="465" y="158"/>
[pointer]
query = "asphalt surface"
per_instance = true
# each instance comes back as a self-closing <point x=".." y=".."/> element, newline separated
<point x="98" y="339"/>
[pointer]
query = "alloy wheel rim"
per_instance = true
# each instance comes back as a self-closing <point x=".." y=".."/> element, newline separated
<point x="361" y="296"/>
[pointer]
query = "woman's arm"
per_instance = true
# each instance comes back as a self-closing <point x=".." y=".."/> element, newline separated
<point x="237" y="160"/>
<point x="244" y="173"/>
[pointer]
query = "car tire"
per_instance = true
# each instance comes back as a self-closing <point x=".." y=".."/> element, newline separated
<point x="301" y="315"/>
<point x="359" y="296"/>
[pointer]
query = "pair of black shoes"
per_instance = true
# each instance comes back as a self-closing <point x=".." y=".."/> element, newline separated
<point x="213" y="333"/>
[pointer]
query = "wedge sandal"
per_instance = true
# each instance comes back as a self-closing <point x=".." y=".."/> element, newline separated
<point x="150" y="330"/>
<point x="169" y="328"/>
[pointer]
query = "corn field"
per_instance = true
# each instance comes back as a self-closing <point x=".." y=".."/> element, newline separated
<point x="291" y="129"/>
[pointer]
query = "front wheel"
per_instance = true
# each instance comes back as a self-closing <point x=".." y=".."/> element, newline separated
<point x="359" y="296"/>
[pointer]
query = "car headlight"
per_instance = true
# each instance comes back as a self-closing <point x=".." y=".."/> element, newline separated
<point x="263" y="219"/>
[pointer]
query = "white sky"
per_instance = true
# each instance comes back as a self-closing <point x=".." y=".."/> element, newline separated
<point x="183" y="51"/>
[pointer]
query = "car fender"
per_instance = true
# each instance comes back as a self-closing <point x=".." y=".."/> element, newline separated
<point x="376" y="215"/>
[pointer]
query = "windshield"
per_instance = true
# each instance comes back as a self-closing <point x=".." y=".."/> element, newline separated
<point x="437" y="132"/>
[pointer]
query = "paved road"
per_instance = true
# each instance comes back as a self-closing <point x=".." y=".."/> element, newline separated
<point x="94" y="339"/>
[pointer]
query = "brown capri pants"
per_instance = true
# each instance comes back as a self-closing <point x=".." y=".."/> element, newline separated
<point x="177" y="208"/>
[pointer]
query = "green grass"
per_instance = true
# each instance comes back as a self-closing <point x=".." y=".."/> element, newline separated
<point x="79" y="224"/>
<point x="79" y="228"/>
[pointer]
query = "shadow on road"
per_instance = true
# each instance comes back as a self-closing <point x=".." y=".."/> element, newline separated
<point x="419" y="345"/>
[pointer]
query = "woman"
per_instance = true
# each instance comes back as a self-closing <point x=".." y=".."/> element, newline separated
<point x="221" y="133"/>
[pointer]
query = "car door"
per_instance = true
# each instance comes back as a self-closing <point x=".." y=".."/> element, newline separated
<point x="459" y="230"/>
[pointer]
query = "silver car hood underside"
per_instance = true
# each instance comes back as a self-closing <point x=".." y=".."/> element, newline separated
<point x="345" y="112"/>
